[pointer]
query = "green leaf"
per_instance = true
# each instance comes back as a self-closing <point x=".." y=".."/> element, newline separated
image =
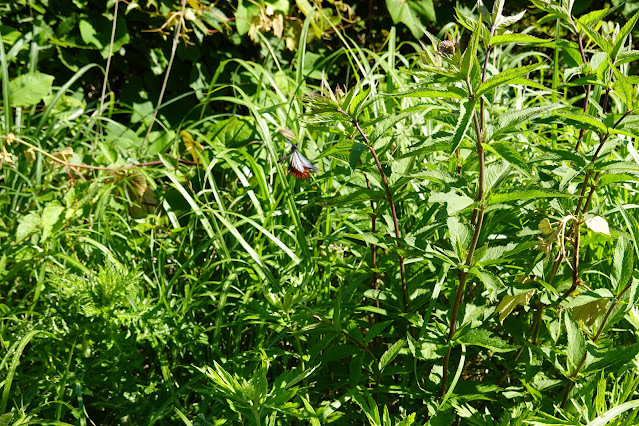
<point x="492" y="282"/>
<point x="623" y="264"/>
<point x="454" y="202"/>
<point x="51" y="216"/>
<point x="507" y="151"/>
<point x="499" y="39"/>
<point x="388" y="122"/>
<point x="601" y="41"/>
<point x="459" y="234"/>
<point x="504" y="77"/>
<point x="356" y="152"/>
<point x="29" y="89"/>
<point x="28" y="225"/>
<point x="375" y="330"/>
<point x="470" y="55"/>
<point x="624" y="32"/>
<point x="408" y="12"/>
<point x="466" y="110"/>
<point x="576" y="348"/>
<point x="391" y="353"/>
<point x="608" y="417"/>
<point x="583" y="121"/>
<point x="485" y="339"/>
<point x="611" y="359"/>
<point x="525" y="194"/>
<point x="357" y="101"/>
<point x="516" y="118"/>
<point x="357" y="196"/>
<point x="510" y="302"/>
<point x="435" y="92"/>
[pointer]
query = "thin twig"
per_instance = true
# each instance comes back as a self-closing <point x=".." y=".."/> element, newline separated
<point x="178" y="28"/>
<point x="391" y="202"/>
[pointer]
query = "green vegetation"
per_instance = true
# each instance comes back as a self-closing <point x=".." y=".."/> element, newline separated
<point x="465" y="253"/>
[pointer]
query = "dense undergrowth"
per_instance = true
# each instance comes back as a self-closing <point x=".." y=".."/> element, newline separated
<point x="465" y="253"/>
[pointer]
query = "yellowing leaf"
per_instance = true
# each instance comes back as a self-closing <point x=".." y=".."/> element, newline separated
<point x="509" y="303"/>
<point x="598" y="224"/>
<point x="5" y="157"/>
<point x="545" y="227"/>
<point x="138" y="185"/>
<point x="63" y="155"/>
<point x="589" y="312"/>
<point x="193" y="147"/>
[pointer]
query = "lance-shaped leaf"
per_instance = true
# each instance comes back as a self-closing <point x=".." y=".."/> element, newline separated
<point x="597" y="15"/>
<point x="356" y="152"/>
<point x="583" y="121"/>
<point x="508" y="152"/>
<point x="576" y="347"/>
<point x="470" y="55"/>
<point x="484" y="338"/>
<point x="624" y="32"/>
<point x="512" y="119"/>
<point x="525" y="194"/>
<point x="500" y="39"/>
<point x="503" y="78"/>
<point x="601" y="41"/>
<point x="466" y="110"/>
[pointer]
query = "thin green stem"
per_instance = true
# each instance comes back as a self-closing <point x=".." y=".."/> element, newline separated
<point x="391" y="202"/>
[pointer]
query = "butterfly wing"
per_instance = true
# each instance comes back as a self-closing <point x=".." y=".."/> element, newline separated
<point x="299" y="166"/>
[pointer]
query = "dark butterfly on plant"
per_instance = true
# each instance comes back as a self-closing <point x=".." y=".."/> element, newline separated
<point x="298" y="165"/>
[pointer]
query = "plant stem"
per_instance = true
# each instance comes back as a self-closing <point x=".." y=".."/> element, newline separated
<point x="391" y="202"/>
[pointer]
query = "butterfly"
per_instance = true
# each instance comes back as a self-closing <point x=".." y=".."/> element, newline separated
<point x="298" y="165"/>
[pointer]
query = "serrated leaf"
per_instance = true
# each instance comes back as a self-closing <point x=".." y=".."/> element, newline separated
<point x="598" y="224"/>
<point x="375" y="330"/>
<point x="388" y="122"/>
<point x="466" y="110"/>
<point x="510" y="302"/>
<point x="508" y="152"/>
<point x="601" y="41"/>
<point x="492" y="282"/>
<point x="485" y="339"/>
<point x="576" y="348"/>
<point x="424" y="349"/>
<point x="504" y="77"/>
<point x="525" y="194"/>
<point x="611" y="359"/>
<point x="459" y="235"/>
<point x="391" y="353"/>
<point x="470" y="55"/>
<point x="363" y="194"/>
<point x="515" y="118"/>
<point x="435" y="92"/>
<point x="583" y="119"/>
<point x="357" y="101"/>
<point x="623" y="34"/>
<point x="623" y="262"/>
<point x="356" y="152"/>
<point x="497" y="40"/>
<point x="506" y="21"/>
